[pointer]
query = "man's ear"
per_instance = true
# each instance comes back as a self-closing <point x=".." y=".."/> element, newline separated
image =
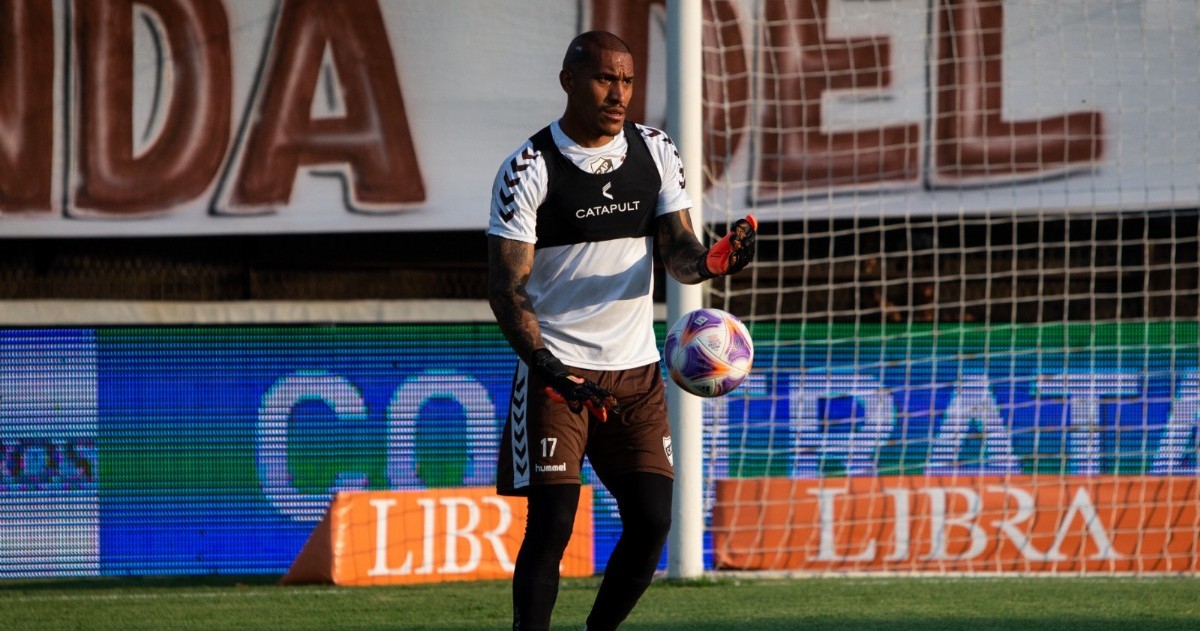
<point x="564" y="80"/>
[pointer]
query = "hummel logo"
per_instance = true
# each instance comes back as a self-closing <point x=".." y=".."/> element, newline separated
<point x="604" y="191"/>
<point x="507" y="194"/>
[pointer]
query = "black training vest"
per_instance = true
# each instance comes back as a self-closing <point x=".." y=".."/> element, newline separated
<point x="582" y="207"/>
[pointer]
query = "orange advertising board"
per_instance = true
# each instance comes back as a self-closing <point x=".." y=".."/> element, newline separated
<point x="434" y="535"/>
<point x="958" y="524"/>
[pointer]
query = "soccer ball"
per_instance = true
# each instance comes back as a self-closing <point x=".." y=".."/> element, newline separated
<point x="708" y="352"/>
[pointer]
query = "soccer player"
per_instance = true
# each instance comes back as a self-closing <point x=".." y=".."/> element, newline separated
<point x="575" y="212"/>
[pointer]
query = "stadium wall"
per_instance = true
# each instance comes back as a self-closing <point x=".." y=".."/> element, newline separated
<point x="923" y="333"/>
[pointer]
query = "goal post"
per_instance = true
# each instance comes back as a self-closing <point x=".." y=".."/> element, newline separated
<point x="685" y="552"/>
<point x="976" y="295"/>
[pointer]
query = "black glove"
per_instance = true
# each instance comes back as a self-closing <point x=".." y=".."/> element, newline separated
<point x="576" y="392"/>
<point x="733" y="252"/>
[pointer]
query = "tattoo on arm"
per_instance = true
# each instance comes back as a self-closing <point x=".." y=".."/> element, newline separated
<point x="509" y="265"/>
<point x="681" y="251"/>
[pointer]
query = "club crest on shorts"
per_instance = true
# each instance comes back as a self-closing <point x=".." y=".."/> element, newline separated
<point x="667" y="450"/>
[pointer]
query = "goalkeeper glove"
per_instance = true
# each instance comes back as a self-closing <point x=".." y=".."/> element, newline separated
<point x="576" y="392"/>
<point x="733" y="252"/>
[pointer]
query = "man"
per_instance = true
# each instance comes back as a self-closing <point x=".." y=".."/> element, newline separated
<point x="575" y="211"/>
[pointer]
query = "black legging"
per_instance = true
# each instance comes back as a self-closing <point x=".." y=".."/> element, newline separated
<point x="644" y="500"/>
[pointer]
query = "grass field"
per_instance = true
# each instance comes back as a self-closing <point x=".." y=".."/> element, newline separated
<point x="256" y="603"/>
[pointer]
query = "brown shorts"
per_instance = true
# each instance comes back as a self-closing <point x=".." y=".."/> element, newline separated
<point x="544" y="442"/>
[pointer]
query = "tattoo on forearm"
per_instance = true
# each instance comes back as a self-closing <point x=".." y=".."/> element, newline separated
<point x="681" y="251"/>
<point x="515" y="315"/>
<point x="510" y="264"/>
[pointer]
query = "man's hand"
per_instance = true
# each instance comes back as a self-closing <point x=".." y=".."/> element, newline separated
<point x="575" y="391"/>
<point x="733" y="252"/>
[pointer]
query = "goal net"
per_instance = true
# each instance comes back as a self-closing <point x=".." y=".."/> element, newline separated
<point x="976" y="295"/>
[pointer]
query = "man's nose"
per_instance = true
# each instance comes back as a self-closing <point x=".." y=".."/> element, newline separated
<point x="616" y="93"/>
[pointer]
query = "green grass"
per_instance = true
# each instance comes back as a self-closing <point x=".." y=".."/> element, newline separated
<point x="709" y="605"/>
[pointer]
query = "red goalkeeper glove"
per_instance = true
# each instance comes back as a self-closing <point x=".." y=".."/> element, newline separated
<point x="733" y="252"/>
<point x="575" y="391"/>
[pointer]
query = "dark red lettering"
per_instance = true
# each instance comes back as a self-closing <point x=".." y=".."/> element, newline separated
<point x="801" y="62"/>
<point x="970" y="139"/>
<point x="372" y="138"/>
<point x="26" y="105"/>
<point x="181" y="162"/>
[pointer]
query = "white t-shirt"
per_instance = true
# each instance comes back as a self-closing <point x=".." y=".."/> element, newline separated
<point x="594" y="300"/>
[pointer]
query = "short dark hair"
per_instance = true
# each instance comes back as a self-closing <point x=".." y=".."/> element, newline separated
<point x="586" y="47"/>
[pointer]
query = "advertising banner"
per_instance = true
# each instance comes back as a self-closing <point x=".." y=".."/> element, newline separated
<point x="434" y="535"/>
<point x="850" y="400"/>
<point x="206" y="450"/>
<point x="964" y="524"/>
<point x="222" y="448"/>
<point x="180" y="117"/>
<point x="49" y="478"/>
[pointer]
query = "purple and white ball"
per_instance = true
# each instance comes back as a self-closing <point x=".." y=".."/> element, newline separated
<point x="708" y="352"/>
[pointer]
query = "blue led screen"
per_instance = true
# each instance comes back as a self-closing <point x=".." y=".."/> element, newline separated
<point x="199" y="450"/>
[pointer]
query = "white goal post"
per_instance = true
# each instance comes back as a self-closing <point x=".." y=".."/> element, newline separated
<point x="685" y="554"/>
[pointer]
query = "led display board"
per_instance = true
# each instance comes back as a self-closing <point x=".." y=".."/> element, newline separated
<point x="200" y="450"/>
